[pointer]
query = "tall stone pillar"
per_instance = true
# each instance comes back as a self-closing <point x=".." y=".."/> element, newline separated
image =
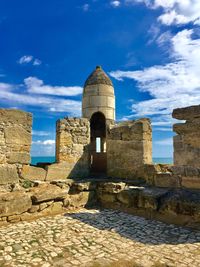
<point x="72" y="146"/>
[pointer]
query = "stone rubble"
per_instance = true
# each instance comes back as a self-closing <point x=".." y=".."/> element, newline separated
<point x="83" y="237"/>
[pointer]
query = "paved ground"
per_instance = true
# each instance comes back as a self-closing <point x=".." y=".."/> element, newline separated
<point x="77" y="239"/>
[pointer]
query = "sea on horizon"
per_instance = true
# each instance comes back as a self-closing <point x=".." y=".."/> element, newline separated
<point x="35" y="160"/>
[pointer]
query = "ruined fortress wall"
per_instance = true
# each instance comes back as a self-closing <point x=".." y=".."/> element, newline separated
<point x="129" y="147"/>
<point x="15" y="143"/>
<point x="72" y="148"/>
<point x="187" y="140"/>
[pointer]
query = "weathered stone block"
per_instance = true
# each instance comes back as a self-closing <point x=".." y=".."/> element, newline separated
<point x="190" y="182"/>
<point x="185" y="154"/>
<point x="33" y="173"/>
<point x="129" y="197"/>
<point x="72" y="140"/>
<point x="149" y="198"/>
<point x="82" y="199"/>
<point x="2" y="159"/>
<point x="83" y="186"/>
<point x="56" y="207"/>
<point x="14" y="218"/>
<point x="182" y="202"/>
<point x="187" y="143"/>
<point x="18" y="157"/>
<point x="17" y="135"/>
<point x="46" y="192"/>
<point x="188" y="113"/>
<point x="15" y="116"/>
<point x="43" y="206"/>
<point x="8" y="174"/>
<point x="191" y="171"/>
<point x="105" y="197"/>
<point x="166" y="180"/>
<point x="34" y="208"/>
<point x="178" y="170"/>
<point x="14" y="203"/>
<point x="129" y="147"/>
<point x="64" y="184"/>
<point x="66" y="202"/>
<point x="110" y="187"/>
<point x="149" y="171"/>
<point x="65" y="170"/>
<point x="58" y="171"/>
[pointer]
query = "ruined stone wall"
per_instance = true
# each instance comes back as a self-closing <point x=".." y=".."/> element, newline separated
<point x="187" y="140"/>
<point x="177" y="206"/>
<point x="72" y="151"/>
<point x="129" y="147"/>
<point x="15" y="143"/>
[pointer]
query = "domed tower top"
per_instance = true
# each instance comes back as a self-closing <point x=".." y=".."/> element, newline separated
<point x="98" y="95"/>
<point x="98" y="76"/>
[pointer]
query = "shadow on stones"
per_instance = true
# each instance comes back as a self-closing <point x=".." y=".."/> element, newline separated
<point x="136" y="228"/>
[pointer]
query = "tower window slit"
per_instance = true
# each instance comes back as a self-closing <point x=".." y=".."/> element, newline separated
<point x="98" y="145"/>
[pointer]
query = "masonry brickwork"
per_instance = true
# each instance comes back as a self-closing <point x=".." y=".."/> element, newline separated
<point x="133" y="183"/>
<point x="72" y="148"/>
<point x="129" y="147"/>
<point x="15" y="143"/>
<point x="98" y="95"/>
<point x="187" y="140"/>
<point x="130" y="182"/>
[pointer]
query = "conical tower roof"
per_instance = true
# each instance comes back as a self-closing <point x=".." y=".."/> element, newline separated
<point x="98" y="76"/>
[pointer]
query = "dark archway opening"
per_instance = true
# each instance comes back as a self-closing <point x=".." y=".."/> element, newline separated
<point x="98" y="155"/>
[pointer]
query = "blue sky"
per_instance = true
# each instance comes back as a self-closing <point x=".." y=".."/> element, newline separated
<point x="150" y="49"/>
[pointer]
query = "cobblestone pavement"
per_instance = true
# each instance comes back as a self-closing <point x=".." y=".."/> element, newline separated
<point x="81" y="237"/>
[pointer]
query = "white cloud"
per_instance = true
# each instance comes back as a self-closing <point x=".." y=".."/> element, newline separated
<point x="40" y="133"/>
<point x="164" y="142"/>
<point x="28" y="59"/>
<point x="25" y="59"/>
<point x="44" y="143"/>
<point x="174" y="11"/>
<point x="115" y="3"/>
<point x="173" y="85"/>
<point x="6" y="86"/>
<point x="36" y="86"/>
<point x="85" y="7"/>
<point x="164" y="38"/>
<point x="37" y="62"/>
<point x="10" y="96"/>
<point x="43" y="148"/>
<point x="178" y="11"/>
<point x="153" y="32"/>
<point x="162" y="129"/>
<point x="146" y="2"/>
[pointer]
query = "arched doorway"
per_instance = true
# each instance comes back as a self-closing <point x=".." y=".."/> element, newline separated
<point x="98" y="143"/>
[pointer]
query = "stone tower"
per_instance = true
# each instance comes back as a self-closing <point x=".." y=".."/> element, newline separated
<point x="98" y="106"/>
<point x="98" y="95"/>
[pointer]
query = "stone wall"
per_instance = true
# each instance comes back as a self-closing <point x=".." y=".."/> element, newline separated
<point x="72" y="149"/>
<point x="170" y="176"/>
<point x="15" y="143"/>
<point x="163" y="192"/>
<point x="129" y="147"/>
<point x="28" y="201"/>
<point x="178" y="206"/>
<point x="187" y="140"/>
